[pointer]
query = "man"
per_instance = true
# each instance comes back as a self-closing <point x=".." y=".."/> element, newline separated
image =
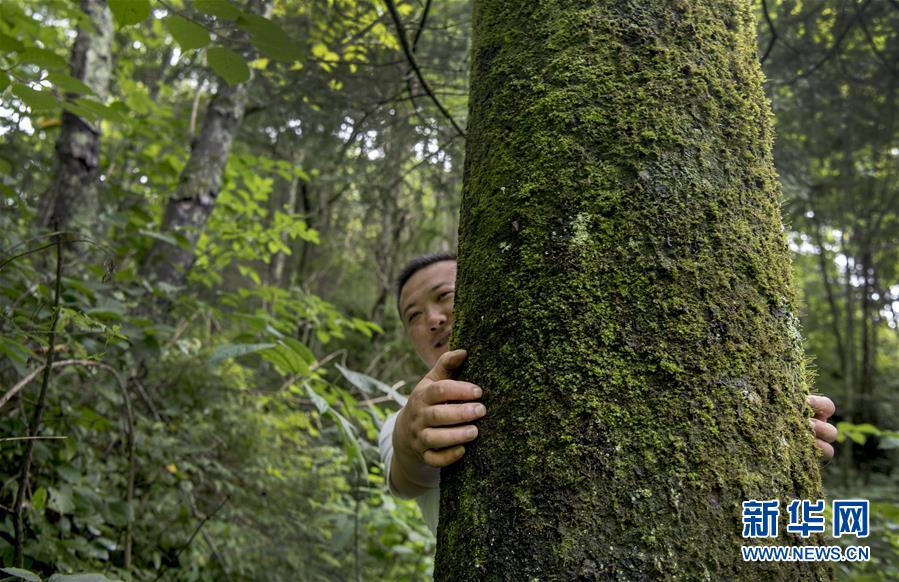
<point x="427" y="433"/>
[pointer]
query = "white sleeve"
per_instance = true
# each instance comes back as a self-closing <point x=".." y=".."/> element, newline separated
<point x="427" y="475"/>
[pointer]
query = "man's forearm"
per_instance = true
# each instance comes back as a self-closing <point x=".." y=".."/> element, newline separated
<point x="409" y="475"/>
<point x="411" y="483"/>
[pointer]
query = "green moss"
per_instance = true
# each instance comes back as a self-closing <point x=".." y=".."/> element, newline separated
<point x="625" y="297"/>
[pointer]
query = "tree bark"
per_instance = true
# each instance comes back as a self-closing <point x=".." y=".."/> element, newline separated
<point x="73" y="192"/>
<point x="626" y="300"/>
<point x="201" y="180"/>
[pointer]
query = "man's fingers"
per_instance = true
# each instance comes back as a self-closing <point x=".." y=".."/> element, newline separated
<point x="444" y="367"/>
<point x="447" y="390"/>
<point x="440" y="438"/>
<point x="824" y="431"/>
<point x="448" y="414"/>
<point x="444" y="457"/>
<point x="822" y="406"/>
<point x="826" y="449"/>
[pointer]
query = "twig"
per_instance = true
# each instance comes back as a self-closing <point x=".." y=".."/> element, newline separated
<point x="27" y="379"/>
<point x="34" y="438"/>
<point x="146" y="398"/>
<point x="376" y="400"/>
<point x="19" y="505"/>
<point x="129" y="444"/>
<point x="206" y="537"/>
<point x="404" y="42"/>
<point x="421" y="25"/>
<point x="32" y="239"/>
<point x="48" y="245"/>
<point x="315" y="366"/>
<point x="25" y="254"/>
<point x="771" y="28"/>
<point x="194" y="534"/>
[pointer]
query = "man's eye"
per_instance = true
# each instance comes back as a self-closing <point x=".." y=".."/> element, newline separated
<point x="414" y="316"/>
<point x="444" y="295"/>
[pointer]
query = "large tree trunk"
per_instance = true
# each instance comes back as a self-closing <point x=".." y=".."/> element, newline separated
<point x="626" y="299"/>
<point x="201" y="179"/>
<point x="73" y="192"/>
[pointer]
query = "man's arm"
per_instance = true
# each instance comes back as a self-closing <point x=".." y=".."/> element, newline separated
<point x="429" y="433"/>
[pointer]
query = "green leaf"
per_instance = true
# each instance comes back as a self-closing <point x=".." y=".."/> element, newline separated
<point x="269" y="38"/>
<point x="286" y="360"/>
<point x="9" y="44"/>
<point x="61" y="500"/>
<point x="186" y="33"/>
<point x="91" y="109"/>
<point x="36" y="100"/>
<point x="39" y="499"/>
<point x="14" y="350"/>
<point x="69" y="84"/>
<point x="300" y="348"/>
<point x="161" y="236"/>
<point x="228" y="351"/>
<point x="251" y="273"/>
<point x="4" y="81"/>
<point x="23" y="574"/>
<point x="42" y="58"/>
<point x="219" y="8"/>
<point x="367" y="384"/>
<point x="229" y="65"/>
<point x="320" y="403"/>
<point x="69" y="474"/>
<point x="127" y="12"/>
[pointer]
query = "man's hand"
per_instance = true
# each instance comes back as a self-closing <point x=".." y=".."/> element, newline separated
<point x="825" y="433"/>
<point x="430" y="432"/>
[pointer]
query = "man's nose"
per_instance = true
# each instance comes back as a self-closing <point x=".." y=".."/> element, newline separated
<point x="436" y="319"/>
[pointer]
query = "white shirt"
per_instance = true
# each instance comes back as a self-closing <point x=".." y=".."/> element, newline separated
<point x="429" y="501"/>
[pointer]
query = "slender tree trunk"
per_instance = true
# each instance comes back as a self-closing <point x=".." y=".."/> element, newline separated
<point x="281" y="258"/>
<point x="824" y="265"/>
<point x="194" y="198"/>
<point x="73" y="192"/>
<point x="626" y="299"/>
<point x="850" y="383"/>
<point x="865" y="368"/>
<point x="387" y="211"/>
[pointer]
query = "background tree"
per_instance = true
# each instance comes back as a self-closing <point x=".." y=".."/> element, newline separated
<point x="78" y="147"/>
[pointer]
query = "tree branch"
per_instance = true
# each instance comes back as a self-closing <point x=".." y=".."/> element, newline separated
<point x="771" y="28"/>
<point x="421" y="25"/>
<point x="401" y="34"/>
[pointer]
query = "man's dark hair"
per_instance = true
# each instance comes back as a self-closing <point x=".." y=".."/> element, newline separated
<point x="416" y="265"/>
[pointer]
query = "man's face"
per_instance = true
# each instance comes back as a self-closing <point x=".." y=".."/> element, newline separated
<point x="426" y="306"/>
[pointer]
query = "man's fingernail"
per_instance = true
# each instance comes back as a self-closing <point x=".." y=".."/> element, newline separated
<point x="477" y="392"/>
<point x="811" y="422"/>
<point x="480" y="410"/>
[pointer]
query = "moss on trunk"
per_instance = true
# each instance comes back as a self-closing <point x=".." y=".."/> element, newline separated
<point x="626" y="298"/>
